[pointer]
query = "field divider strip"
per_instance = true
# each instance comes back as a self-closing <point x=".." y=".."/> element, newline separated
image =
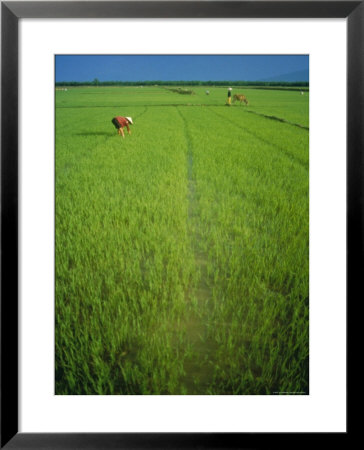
<point x="278" y="119"/>
<point x="202" y="290"/>
<point x="173" y="105"/>
<point x="142" y="113"/>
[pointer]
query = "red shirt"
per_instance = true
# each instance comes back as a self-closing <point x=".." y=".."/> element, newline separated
<point x="123" y="122"/>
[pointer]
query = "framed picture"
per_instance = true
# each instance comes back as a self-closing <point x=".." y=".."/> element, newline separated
<point x="37" y="38"/>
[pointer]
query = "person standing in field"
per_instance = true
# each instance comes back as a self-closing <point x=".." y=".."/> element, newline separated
<point x="120" y="123"/>
<point x="229" y="96"/>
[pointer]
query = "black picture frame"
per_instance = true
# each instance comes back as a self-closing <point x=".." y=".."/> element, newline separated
<point x="11" y="12"/>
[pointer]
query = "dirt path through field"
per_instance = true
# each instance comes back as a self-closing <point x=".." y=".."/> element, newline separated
<point x="198" y="367"/>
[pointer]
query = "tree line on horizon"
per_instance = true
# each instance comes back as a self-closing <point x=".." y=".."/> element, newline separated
<point x="96" y="82"/>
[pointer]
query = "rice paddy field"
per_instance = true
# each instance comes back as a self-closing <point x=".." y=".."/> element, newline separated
<point x="182" y="251"/>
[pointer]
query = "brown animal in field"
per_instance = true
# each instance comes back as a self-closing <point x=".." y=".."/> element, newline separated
<point x="241" y="98"/>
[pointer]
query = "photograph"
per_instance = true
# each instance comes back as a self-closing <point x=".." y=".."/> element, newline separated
<point x="181" y="224"/>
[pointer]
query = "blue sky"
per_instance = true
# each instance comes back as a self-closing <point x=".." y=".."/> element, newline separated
<point x="178" y="67"/>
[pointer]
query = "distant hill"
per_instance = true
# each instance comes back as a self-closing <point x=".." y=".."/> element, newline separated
<point x="300" y="75"/>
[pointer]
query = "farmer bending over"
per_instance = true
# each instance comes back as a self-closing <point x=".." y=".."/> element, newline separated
<point x="121" y="122"/>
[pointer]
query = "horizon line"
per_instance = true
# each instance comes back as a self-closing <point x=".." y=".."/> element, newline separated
<point x="181" y="81"/>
